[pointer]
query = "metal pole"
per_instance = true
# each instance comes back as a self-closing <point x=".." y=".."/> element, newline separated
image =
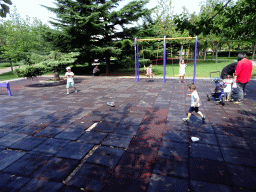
<point x="138" y="63"/>
<point x="194" y="79"/>
<point x="135" y="55"/>
<point x="164" y="59"/>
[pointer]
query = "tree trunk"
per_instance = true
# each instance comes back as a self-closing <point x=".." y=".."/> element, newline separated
<point x="107" y="65"/>
<point x="56" y="75"/>
<point x="253" y="52"/>
<point x="216" y="58"/>
<point x="205" y="53"/>
<point x="213" y="51"/>
<point x="181" y="51"/>
<point x="10" y="60"/>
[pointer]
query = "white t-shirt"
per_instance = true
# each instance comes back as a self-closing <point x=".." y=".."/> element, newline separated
<point x="149" y="70"/>
<point x="194" y="97"/>
<point x="69" y="77"/>
<point x="182" y="69"/>
<point x="228" y="88"/>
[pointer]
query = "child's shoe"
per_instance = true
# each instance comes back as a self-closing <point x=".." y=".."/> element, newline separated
<point x="186" y="119"/>
<point x="203" y="118"/>
<point x="67" y="93"/>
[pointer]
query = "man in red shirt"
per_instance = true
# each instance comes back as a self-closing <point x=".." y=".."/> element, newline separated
<point x="243" y="73"/>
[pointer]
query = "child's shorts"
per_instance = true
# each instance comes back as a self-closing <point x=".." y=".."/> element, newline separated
<point x="70" y="83"/>
<point x="191" y="109"/>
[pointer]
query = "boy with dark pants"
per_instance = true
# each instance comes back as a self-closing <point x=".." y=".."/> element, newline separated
<point x="194" y="103"/>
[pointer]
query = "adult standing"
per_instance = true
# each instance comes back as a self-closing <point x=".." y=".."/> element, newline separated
<point x="228" y="70"/>
<point x="243" y="74"/>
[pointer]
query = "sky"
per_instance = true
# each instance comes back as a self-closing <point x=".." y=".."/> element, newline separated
<point x="32" y="8"/>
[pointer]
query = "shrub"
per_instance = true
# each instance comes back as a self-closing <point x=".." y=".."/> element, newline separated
<point x="56" y="62"/>
<point x="145" y="62"/>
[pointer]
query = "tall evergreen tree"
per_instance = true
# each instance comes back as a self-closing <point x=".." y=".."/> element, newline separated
<point x="91" y="26"/>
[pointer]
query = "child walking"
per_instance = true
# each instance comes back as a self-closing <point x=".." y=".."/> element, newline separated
<point x="182" y="71"/>
<point x="70" y="81"/>
<point x="194" y="103"/>
<point x="228" y="89"/>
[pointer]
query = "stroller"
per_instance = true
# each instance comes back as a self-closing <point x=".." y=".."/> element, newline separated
<point x="218" y="94"/>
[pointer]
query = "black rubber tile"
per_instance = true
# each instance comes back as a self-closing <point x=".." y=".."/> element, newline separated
<point x="126" y="129"/>
<point x="36" y="185"/>
<point x="205" y="151"/>
<point x="113" y="117"/>
<point x="27" y="165"/>
<point x="209" y="171"/>
<point x="243" y="177"/>
<point x="104" y="127"/>
<point x="7" y="157"/>
<point x="170" y="148"/>
<point x="171" y="166"/>
<point x="56" y="169"/>
<point x="11" y="138"/>
<point x="31" y="129"/>
<point x="166" y="184"/>
<point x="90" y="177"/>
<point x="117" y="140"/>
<point x="135" y="164"/>
<point x="126" y="183"/>
<point x="200" y="127"/>
<point x="49" y="132"/>
<point x="232" y="141"/>
<point x="227" y="130"/>
<point x="206" y="138"/>
<point x="238" y="156"/>
<point x="70" y="189"/>
<point x="106" y="156"/>
<point x="201" y="186"/>
<point x="51" y="145"/>
<point x="75" y="150"/>
<point x="178" y="136"/>
<point x="247" y="132"/>
<point x="28" y="143"/>
<point x="70" y="134"/>
<point x="11" y="127"/>
<point x="92" y="137"/>
<point x="176" y="125"/>
<point x="11" y="183"/>
<point x="134" y="119"/>
<point x="2" y="134"/>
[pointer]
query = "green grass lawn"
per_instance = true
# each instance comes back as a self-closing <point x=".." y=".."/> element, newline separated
<point x="203" y="68"/>
<point x="8" y="76"/>
<point x="7" y="64"/>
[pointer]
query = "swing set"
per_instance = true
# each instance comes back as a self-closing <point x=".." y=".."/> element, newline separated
<point x="136" y="51"/>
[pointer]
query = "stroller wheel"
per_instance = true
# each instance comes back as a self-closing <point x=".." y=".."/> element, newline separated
<point x="208" y="98"/>
<point x="222" y="101"/>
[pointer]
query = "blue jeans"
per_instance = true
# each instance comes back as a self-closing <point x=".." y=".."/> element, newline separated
<point x="241" y="90"/>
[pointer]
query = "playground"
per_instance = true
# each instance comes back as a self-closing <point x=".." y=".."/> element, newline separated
<point x="51" y="141"/>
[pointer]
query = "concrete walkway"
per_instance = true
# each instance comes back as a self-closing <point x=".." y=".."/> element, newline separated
<point x="51" y="141"/>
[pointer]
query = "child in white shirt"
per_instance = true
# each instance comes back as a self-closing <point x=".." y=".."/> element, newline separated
<point x="70" y="81"/>
<point x="194" y="103"/>
<point x="182" y="71"/>
<point x="228" y="89"/>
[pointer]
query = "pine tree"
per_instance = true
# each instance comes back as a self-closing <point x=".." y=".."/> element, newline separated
<point x="90" y="26"/>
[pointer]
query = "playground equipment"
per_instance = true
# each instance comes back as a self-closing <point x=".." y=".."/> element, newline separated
<point x="136" y="51"/>
<point x="7" y="85"/>
<point x="218" y="94"/>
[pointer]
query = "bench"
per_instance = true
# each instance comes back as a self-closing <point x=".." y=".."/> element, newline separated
<point x="7" y="85"/>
